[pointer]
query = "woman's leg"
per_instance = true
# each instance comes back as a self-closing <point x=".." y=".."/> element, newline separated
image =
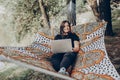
<point x="56" y="60"/>
<point x="68" y="59"/>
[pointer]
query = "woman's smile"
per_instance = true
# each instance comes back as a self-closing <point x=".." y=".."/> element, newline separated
<point x="66" y="28"/>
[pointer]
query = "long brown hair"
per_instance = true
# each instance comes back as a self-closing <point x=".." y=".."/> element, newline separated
<point x="63" y="25"/>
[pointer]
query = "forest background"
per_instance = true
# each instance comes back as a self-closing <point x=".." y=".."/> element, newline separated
<point x="21" y="19"/>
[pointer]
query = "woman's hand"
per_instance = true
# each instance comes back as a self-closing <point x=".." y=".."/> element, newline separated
<point x="76" y="46"/>
<point x="75" y="49"/>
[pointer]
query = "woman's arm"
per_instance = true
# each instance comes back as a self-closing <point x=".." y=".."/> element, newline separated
<point x="76" y="46"/>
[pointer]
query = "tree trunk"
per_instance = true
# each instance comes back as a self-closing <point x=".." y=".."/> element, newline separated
<point x="102" y="11"/>
<point x="44" y="14"/>
<point x="94" y="6"/>
<point x="107" y="17"/>
<point x="71" y="11"/>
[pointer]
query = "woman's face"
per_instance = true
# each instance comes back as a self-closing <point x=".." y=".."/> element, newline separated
<point x="66" y="29"/>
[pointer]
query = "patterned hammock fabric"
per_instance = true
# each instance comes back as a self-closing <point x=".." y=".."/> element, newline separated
<point x="92" y="63"/>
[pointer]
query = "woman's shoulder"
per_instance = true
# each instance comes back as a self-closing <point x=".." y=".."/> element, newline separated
<point x="73" y="33"/>
<point x="58" y="36"/>
<point x="75" y="36"/>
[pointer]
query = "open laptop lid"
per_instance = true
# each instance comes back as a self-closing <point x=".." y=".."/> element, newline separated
<point x="61" y="46"/>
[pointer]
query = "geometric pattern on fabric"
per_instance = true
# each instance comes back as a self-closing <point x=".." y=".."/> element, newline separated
<point x="92" y="63"/>
<point x="95" y="60"/>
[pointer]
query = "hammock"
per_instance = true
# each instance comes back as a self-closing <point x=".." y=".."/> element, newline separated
<point x="92" y="64"/>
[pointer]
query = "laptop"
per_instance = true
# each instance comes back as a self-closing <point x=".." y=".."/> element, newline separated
<point x="61" y="46"/>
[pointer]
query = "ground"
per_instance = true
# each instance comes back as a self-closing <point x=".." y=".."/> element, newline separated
<point x="113" y="48"/>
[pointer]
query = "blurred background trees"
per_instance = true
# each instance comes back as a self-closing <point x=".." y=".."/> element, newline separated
<point x="20" y="19"/>
<point x="100" y="8"/>
<point x="102" y="11"/>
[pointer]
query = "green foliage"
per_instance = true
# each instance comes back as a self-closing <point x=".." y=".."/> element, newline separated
<point x="115" y="14"/>
<point x="53" y="7"/>
<point x="28" y="15"/>
<point x="27" y="19"/>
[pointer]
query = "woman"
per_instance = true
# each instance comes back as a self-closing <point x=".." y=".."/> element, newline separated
<point x="62" y="61"/>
